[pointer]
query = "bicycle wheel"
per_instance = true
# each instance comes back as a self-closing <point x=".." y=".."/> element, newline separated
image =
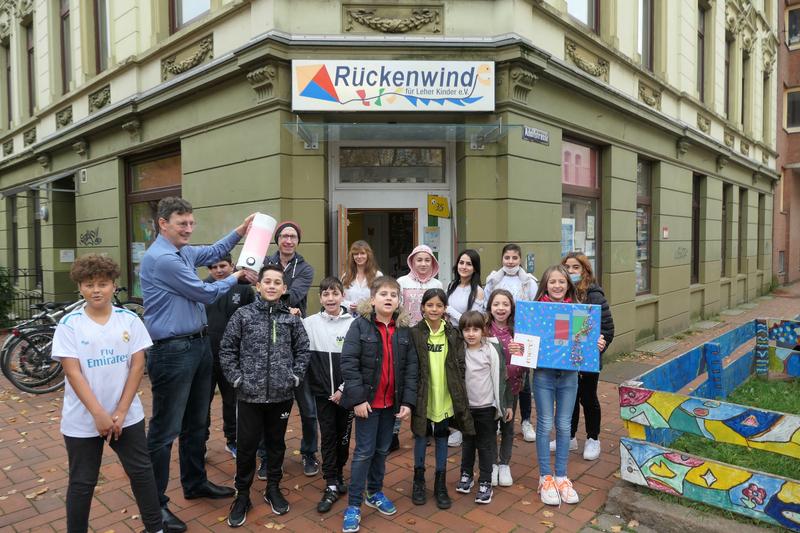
<point x="28" y="365"/>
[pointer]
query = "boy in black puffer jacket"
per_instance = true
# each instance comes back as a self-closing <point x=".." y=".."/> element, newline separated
<point x="264" y="354"/>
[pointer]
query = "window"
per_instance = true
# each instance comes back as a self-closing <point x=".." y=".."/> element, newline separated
<point x="101" y="38"/>
<point x="579" y="203"/>
<point x="66" y="63"/>
<point x="781" y="262"/>
<point x="182" y="12"/>
<point x="702" y="11"/>
<point x="391" y="165"/>
<point x="6" y="57"/>
<point x="643" y="236"/>
<point x="29" y="61"/>
<point x="742" y="230"/>
<point x="745" y="94"/>
<point x="37" y="239"/>
<point x="727" y="198"/>
<point x="13" y="241"/>
<point x="762" y="213"/>
<point x="645" y="34"/>
<point x="586" y="11"/>
<point x="793" y="109"/>
<point x="149" y="180"/>
<point x="793" y="26"/>
<point x="729" y="41"/>
<point x="695" y="263"/>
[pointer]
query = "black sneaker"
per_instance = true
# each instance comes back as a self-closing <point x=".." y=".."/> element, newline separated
<point x="310" y="465"/>
<point x="262" y="471"/>
<point x="238" y="514"/>
<point x="484" y="492"/>
<point x="329" y="497"/>
<point x="274" y="497"/>
<point x="465" y="484"/>
<point x="341" y="486"/>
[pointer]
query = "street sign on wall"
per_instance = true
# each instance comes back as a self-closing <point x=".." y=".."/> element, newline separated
<point x="332" y="85"/>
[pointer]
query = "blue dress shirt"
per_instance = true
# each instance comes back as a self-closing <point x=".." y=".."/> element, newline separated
<point x="174" y="297"/>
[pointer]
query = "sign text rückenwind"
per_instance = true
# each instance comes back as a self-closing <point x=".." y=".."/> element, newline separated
<point x="441" y="82"/>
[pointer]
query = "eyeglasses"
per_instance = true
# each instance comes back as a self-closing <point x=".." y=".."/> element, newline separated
<point x="185" y="225"/>
<point x="288" y="237"/>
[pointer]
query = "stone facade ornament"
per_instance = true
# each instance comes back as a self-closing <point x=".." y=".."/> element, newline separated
<point x="44" y="160"/>
<point x="134" y="128"/>
<point x="769" y="54"/>
<point x="522" y="82"/>
<point x="722" y="161"/>
<point x="764" y="157"/>
<point x="200" y="52"/>
<point x="263" y="81"/>
<point x="81" y="148"/>
<point x="744" y="147"/>
<point x="64" y="117"/>
<point x="650" y="96"/>
<point x="392" y="19"/>
<point x="727" y="136"/>
<point x="8" y="147"/>
<point x="6" y="18"/>
<point x="704" y="123"/>
<point x="587" y="61"/>
<point x="682" y="146"/>
<point x="29" y="137"/>
<point x="99" y="99"/>
<point x="25" y="10"/>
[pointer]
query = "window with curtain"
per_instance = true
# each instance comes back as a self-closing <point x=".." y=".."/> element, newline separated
<point x="30" y="64"/>
<point x="644" y="171"/>
<point x="580" y="186"/>
<point x="702" y="12"/>
<point x="645" y="37"/>
<point x="101" y="37"/>
<point x="66" y="62"/>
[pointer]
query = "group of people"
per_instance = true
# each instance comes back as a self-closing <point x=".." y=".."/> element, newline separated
<point x="379" y="351"/>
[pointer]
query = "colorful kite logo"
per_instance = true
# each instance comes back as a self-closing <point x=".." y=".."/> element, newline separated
<point x="316" y="83"/>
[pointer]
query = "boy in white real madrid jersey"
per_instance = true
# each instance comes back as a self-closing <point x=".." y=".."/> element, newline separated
<point x="101" y="348"/>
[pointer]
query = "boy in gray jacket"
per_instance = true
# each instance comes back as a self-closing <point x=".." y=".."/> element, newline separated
<point x="264" y="354"/>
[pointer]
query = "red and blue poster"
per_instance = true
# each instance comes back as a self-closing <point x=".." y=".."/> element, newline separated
<point x="560" y="336"/>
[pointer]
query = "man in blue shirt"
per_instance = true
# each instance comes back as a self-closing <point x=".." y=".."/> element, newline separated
<point x="180" y="362"/>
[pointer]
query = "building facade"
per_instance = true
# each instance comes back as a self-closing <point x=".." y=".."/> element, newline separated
<point x="786" y="252"/>
<point x="639" y="131"/>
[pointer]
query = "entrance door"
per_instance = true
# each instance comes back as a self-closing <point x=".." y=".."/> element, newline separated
<point x="382" y="198"/>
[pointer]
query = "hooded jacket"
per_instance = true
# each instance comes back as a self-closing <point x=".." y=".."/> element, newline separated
<point x="221" y="311"/>
<point x="298" y="276"/>
<point x="522" y="286"/>
<point x="596" y="296"/>
<point x="362" y="361"/>
<point x="326" y="335"/>
<point x="412" y="287"/>
<point x="455" y="370"/>
<point x="264" y="352"/>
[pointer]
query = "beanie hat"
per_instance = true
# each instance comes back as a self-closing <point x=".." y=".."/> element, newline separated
<point x="288" y="224"/>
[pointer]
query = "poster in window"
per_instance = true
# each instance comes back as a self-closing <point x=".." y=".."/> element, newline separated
<point x="590" y="227"/>
<point x="567" y="235"/>
<point x="431" y="237"/>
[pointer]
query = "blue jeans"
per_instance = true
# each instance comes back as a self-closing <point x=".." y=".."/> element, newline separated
<point x="559" y="387"/>
<point x="440" y="434"/>
<point x="373" y="438"/>
<point x="180" y="377"/>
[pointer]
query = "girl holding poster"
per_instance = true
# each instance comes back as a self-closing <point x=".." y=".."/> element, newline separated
<point x="554" y="393"/>
<point x="588" y="292"/>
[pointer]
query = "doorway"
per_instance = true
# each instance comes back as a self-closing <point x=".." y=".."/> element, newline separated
<point x="390" y="232"/>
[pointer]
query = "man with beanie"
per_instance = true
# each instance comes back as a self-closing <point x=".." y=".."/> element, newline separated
<point x="297" y="275"/>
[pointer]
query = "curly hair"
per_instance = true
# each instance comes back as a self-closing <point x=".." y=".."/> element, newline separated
<point x="94" y="266"/>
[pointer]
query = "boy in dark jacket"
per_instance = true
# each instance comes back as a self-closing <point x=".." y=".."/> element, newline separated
<point x="264" y="354"/>
<point x="218" y="315"/>
<point x="326" y="331"/>
<point x="379" y="368"/>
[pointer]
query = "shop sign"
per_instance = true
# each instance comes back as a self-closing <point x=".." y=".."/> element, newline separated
<point x="332" y="85"/>
<point x="438" y="206"/>
<point x="536" y="135"/>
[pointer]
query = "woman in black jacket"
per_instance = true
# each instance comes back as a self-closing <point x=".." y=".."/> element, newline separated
<point x="589" y="292"/>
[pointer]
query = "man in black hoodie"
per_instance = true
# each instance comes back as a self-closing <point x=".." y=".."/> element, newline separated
<point x="218" y="315"/>
<point x="297" y="275"/>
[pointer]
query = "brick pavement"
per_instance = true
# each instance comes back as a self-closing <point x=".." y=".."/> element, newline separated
<point x="33" y="472"/>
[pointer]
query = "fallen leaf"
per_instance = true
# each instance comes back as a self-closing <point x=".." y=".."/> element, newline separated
<point x="24" y="411"/>
<point x="221" y="518"/>
<point x="108" y="531"/>
<point x="617" y="475"/>
<point x="525" y="502"/>
<point x="547" y="523"/>
<point x="616" y="529"/>
<point x="279" y="526"/>
<point x="399" y="489"/>
<point x="15" y="398"/>
<point x="41" y="491"/>
<point x="411" y="521"/>
<point x="23" y="433"/>
<point x="296" y="452"/>
<point x="633" y="524"/>
<point x="135" y="517"/>
<point x="7" y="468"/>
<point x="124" y="511"/>
<point x="3" y="498"/>
<point x="20" y="441"/>
<point x="40" y="480"/>
<point x="30" y="496"/>
<point x="297" y="487"/>
<point x="12" y="419"/>
<point x="12" y="491"/>
<point x="271" y="525"/>
<point x="547" y="514"/>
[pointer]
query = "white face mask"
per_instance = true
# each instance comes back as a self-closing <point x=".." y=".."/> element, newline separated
<point x="511" y="271"/>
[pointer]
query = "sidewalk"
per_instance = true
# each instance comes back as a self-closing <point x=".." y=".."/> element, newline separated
<point x="33" y="469"/>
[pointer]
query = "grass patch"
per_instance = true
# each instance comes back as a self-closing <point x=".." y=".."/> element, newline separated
<point x="781" y="396"/>
<point x="712" y="511"/>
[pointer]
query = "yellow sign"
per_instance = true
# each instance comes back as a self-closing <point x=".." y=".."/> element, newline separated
<point x="438" y="206"/>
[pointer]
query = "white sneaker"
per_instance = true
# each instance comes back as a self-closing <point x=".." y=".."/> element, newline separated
<point x="573" y="444"/>
<point x="504" y="476"/>
<point x="528" y="433"/>
<point x="591" y="449"/>
<point x="495" y="475"/>
<point x="455" y="439"/>
<point x="566" y="492"/>
<point x="548" y="491"/>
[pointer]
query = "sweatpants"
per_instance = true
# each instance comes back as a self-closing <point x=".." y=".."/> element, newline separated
<point x="335" y="424"/>
<point x="254" y="421"/>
